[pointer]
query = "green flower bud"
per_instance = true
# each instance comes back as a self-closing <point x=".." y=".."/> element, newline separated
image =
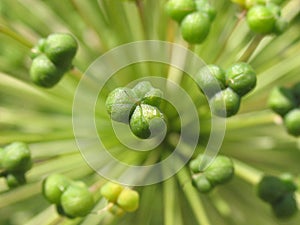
<point x="292" y="122"/>
<point x="77" y="201"/>
<point x="16" y="157"/>
<point x="280" y="26"/>
<point x="53" y="187"/>
<point x="142" y="88"/>
<point x="14" y="180"/>
<point x="147" y="94"/>
<point x="153" y="97"/>
<point x="38" y="49"/>
<point x="211" y="79"/>
<point x="220" y="171"/>
<point x="61" y="212"/>
<point x="44" y="73"/>
<point x="195" y="27"/>
<point x="120" y="103"/>
<point x="60" y="49"/>
<point x="202" y="184"/>
<point x="285" y="207"/>
<point x="178" y="9"/>
<point x="111" y="191"/>
<point x="271" y="189"/>
<point x="281" y="100"/>
<point x="241" y="78"/>
<point x="206" y="7"/>
<point x="274" y="8"/>
<point x="116" y="210"/>
<point x="128" y="200"/>
<point x="195" y="165"/>
<point x="146" y="121"/>
<point x="288" y="180"/>
<point x="226" y="98"/>
<point x="261" y="19"/>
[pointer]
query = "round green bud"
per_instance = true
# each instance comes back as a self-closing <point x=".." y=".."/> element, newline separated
<point x="38" y="48"/>
<point x="288" y="179"/>
<point x="60" y="49"/>
<point x="195" y="165"/>
<point x="202" y="183"/>
<point x="77" y="201"/>
<point x="128" y="200"/>
<point x="292" y="122"/>
<point x="44" y="73"/>
<point x="16" y="157"/>
<point x="261" y="19"/>
<point x="275" y="9"/>
<point x="116" y="210"/>
<point x="220" y="171"/>
<point x="226" y="103"/>
<point x="141" y="89"/>
<point x="14" y="180"/>
<point x="53" y="187"/>
<point x="211" y="79"/>
<point x="281" y="100"/>
<point x="120" y="103"/>
<point x="153" y="97"/>
<point x="280" y="26"/>
<point x="195" y="27"/>
<point x="271" y="189"/>
<point x="241" y="78"/>
<point x="206" y="7"/>
<point x="285" y="207"/>
<point x="111" y="191"/>
<point x="147" y="94"/>
<point x="61" y="212"/>
<point x="178" y="9"/>
<point x="146" y="121"/>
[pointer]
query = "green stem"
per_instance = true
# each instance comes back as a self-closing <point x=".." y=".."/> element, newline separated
<point x="140" y="7"/>
<point x="246" y="172"/>
<point x="170" y="207"/>
<point x="193" y="197"/>
<point x="235" y="26"/>
<point x="10" y="33"/>
<point x="251" y="48"/>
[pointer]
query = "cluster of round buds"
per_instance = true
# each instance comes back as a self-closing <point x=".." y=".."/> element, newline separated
<point x="15" y="161"/>
<point x="120" y="199"/>
<point x="137" y="107"/>
<point x="72" y="198"/>
<point x="226" y="88"/>
<point x="194" y="16"/>
<point x="52" y="58"/>
<point x="286" y="102"/>
<point x="220" y="171"/>
<point x="279" y="192"/>
<point x="264" y="16"/>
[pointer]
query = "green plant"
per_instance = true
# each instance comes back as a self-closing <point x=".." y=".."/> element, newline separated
<point x="47" y="92"/>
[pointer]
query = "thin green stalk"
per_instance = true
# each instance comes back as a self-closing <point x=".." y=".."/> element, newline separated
<point x="235" y="26"/>
<point x="171" y="216"/>
<point x="193" y="197"/>
<point x="140" y="7"/>
<point x="246" y="172"/>
<point x="251" y="48"/>
<point x="10" y="33"/>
